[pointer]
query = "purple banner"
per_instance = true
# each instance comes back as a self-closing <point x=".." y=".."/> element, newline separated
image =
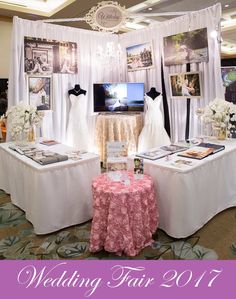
<point x="117" y="279"/>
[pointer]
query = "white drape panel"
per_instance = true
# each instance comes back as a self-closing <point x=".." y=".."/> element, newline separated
<point x="93" y="68"/>
<point x="211" y="74"/>
<point x="210" y="71"/>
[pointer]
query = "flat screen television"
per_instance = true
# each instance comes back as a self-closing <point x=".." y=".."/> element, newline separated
<point x="118" y="97"/>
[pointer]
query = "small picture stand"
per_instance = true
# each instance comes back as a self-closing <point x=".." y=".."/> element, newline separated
<point x="138" y="168"/>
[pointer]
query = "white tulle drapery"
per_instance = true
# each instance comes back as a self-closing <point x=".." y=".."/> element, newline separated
<point x="95" y="65"/>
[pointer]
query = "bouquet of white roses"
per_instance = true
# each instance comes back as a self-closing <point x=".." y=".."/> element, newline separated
<point x="23" y="117"/>
<point x="221" y="114"/>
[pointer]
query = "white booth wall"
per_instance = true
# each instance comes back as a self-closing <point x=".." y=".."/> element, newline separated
<point x="210" y="71"/>
<point x="94" y="67"/>
<point x="90" y="70"/>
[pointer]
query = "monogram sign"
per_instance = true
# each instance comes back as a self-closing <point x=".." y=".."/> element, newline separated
<point x="109" y="16"/>
<point x="106" y="16"/>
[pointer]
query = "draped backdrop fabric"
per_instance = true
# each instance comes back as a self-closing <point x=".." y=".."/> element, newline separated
<point x="95" y="66"/>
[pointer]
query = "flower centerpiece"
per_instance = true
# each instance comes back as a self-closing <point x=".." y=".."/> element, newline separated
<point x="23" y="118"/>
<point x="221" y="115"/>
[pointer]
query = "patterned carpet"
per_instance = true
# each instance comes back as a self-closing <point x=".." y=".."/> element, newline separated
<point x="216" y="240"/>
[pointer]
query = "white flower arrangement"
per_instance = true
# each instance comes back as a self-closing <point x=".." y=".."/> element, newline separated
<point x="221" y="114"/>
<point x="23" y="117"/>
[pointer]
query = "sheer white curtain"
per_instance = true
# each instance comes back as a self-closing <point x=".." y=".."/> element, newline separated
<point x="210" y="71"/>
<point x="95" y="67"/>
<point x="92" y="68"/>
<point x="211" y="75"/>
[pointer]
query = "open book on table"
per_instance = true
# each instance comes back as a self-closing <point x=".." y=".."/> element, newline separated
<point x="160" y="152"/>
<point x="202" y="151"/>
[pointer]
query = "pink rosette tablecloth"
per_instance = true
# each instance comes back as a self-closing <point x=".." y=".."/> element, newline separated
<point x="125" y="215"/>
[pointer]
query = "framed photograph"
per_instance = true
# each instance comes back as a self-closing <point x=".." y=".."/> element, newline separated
<point x="185" y="85"/>
<point x="46" y="57"/>
<point x="40" y="92"/>
<point x="186" y="47"/>
<point x="228" y="74"/>
<point x="140" y="57"/>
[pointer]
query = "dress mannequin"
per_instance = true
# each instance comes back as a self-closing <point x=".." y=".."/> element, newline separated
<point x="77" y="130"/>
<point x="152" y="93"/>
<point x="77" y="90"/>
<point x="153" y="133"/>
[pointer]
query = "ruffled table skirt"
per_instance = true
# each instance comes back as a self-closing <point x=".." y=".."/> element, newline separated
<point x="125" y="216"/>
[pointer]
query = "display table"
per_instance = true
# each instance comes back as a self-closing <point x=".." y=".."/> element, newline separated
<point x="125" y="215"/>
<point x="189" y="197"/>
<point x="118" y="127"/>
<point x="53" y="196"/>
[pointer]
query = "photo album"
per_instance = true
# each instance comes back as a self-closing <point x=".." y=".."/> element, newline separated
<point x="202" y="150"/>
<point x="160" y="152"/>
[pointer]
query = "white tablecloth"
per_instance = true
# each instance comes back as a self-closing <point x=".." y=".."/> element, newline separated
<point x="191" y="196"/>
<point x="53" y="196"/>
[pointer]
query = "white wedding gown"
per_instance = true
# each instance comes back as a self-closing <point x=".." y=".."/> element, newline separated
<point x="77" y="134"/>
<point x="153" y="133"/>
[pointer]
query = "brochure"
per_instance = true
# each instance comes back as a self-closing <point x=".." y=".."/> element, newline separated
<point x="180" y="163"/>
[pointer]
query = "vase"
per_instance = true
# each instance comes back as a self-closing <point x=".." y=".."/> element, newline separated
<point x="21" y="139"/>
<point x="24" y="138"/>
<point x="222" y="134"/>
<point x="31" y="134"/>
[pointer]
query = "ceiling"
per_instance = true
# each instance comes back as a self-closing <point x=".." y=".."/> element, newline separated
<point x="42" y="9"/>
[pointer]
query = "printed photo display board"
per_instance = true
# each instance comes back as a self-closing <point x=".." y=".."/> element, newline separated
<point x="45" y="57"/>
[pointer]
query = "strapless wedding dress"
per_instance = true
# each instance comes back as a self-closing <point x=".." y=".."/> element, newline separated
<point x="77" y="134"/>
<point x="153" y="133"/>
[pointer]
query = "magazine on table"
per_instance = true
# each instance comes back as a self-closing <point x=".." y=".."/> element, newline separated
<point x="160" y="152"/>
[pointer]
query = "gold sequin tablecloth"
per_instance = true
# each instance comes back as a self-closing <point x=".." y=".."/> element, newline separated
<point x="118" y="127"/>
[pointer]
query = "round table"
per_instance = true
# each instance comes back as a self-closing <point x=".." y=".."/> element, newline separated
<point x="125" y="213"/>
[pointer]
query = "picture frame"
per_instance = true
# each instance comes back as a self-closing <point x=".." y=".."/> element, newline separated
<point x="140" y="57"/>
<point x="39" y="89"/>
<point x="45" y="57"/>
<point x="186" y="47"/>
<point x="228" y="74"/>
<point x="185" y="85"/>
